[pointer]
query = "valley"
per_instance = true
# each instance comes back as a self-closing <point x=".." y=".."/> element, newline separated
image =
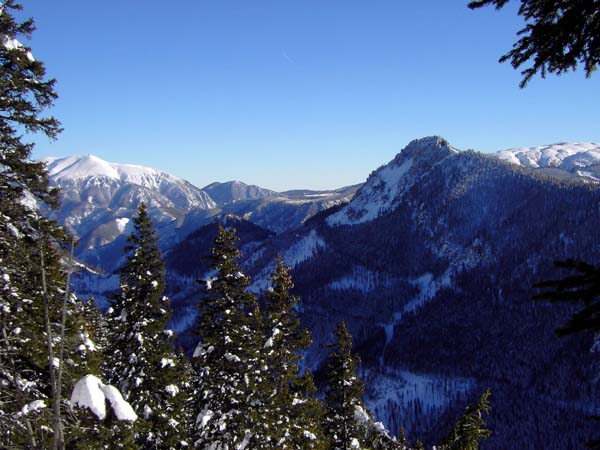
<point x="430" y="262"/>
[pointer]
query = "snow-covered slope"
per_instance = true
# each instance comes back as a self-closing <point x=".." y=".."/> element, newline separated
<point x="91" y="171"/>
<point x="100" y="198"/>
<point x="233" y="191"/>
<point x="385" y="186"/>
<point x="582" y="159"/>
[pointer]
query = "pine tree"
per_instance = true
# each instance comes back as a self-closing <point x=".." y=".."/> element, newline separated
<point x="228" y="358"/>
<point x="39" y="319"/>
<point x="141" y="363"/>
<point x="291" y="410"/>
<point x="581" y="288"/>
<point x="344" y="394"/>
<point x="470" y="429"/>
<point x="348" y="424"/>
<point x="558" y="36"/>
<point x="87" y="432"/>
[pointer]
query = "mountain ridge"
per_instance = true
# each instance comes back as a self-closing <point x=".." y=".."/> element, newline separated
<point x="435" y="287"/>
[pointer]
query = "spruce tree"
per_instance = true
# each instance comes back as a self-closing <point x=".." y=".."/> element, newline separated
<point x="291" y="410"/>
<point x="581" y="288"/>
<point x="228" y="359"/>
<point x="344" y="394"/>
<point x="470" y="429"/>
<point x="141" y="362"/>
<point x="348" y="424"/>
<point x="39" y="320"/>
<point x="87" y="432"/>
<point x="559" y="35"/>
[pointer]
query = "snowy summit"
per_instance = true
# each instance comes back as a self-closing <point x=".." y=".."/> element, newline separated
<point x="74" y="168"/>
<point x="577" y="158"/>
<point x="387" y="184"/>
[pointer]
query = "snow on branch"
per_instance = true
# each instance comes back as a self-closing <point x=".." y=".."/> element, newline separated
<point x="90" y="392"/>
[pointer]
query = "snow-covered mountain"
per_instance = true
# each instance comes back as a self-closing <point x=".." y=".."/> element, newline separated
<point x="233" y="191"/>
<point x="87" y="175"/>
<point x="289" y="210"/>
<point x="276" y="211"/>
<point x="431" y="265"/>
<point x="581" y="159"/>
<point x="385" y="186"/>
<point x="100" y="198"/>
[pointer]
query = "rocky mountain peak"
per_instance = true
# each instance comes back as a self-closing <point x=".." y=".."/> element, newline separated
<point x="430" y="149"/>
<point x="388" y="183"/>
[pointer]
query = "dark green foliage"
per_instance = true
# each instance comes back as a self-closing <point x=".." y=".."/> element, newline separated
<point x="484" y="326"/>
<point x="290" y="409"/>
<point x="141" y="362"/>
<point x="87" y="432"/>
<point x="25" y="90"/>
<point x="228" y="360"/>
<point x="559" y="35"/>
<point x="582" y="289"/>
<point x="470" y="429"/>
<point x="40" y="323"/>
<point x="189" y="257"/>
<point x="344" y="393"/>
<point x="347" y="423"/>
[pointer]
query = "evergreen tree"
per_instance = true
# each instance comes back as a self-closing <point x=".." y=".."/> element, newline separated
<point x="419" y="445"/>
<point x="558" y="35"/>
<point x="40" y="322"/>
<point x="348" y="424"/>
<point x="291" y="410"/>
<point x="582" y="288"/>
<point x="344" y="394"/>
<point x="141" y="363"/>
<point x="470" y="429"/>
<point x="88" y="433"/>
<point x="228" y="359"/>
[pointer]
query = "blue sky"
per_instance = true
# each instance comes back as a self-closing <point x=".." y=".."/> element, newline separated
<point x="289" y="94"/>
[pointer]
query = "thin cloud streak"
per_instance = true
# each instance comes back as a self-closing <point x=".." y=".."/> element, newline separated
<point x="287" y="58"/>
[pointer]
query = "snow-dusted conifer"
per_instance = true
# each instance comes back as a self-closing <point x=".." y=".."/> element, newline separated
<point x="141" y="362"/>
<point x="348" y="423"/>
<point x="470" y="429"/>
<point x="344" y="392"/>
<point x="228" y="358"/>
<point x="292" y="413"/>
<point x="38" y="317"/>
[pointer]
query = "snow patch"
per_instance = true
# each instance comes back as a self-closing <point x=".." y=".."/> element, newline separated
<point x="122" y="224"/>
<point x="568" y="156"/>
<point x="91" y="393"/>
<point x="172" y="390"/>
<point x="299" y="252"/>
<point x="363" y="280"/>
<point x="34" y="406"/>
<point x="398" y="393"/>
<point x="304" y="249"/>
<point x="308" y="435"/>
<point x="375" y="197"/>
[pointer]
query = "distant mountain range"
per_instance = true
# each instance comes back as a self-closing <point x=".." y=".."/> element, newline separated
<point x="100" y="198"/>
<point x="233" y="191"/>
<point x="578" y="159"/>
<point x="431" y="263"/>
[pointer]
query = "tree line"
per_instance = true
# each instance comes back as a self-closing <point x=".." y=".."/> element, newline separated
<point x="244" y="387"/>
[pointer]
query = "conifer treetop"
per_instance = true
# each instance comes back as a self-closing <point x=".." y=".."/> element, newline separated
<point x="25" y="91"/>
